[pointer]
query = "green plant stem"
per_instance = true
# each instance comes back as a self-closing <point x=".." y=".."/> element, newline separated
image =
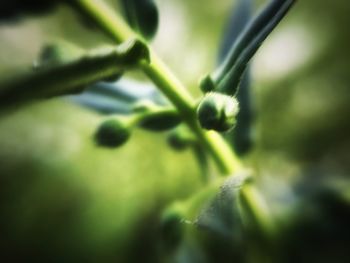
<point x="257" y="211"/>
<point x="182" y="100"/>
<point x="174" y="90"/>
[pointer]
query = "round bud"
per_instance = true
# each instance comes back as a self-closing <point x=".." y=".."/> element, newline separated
<point x="207" y="84"/>
<point x="181" y="138"/>
<point x="217" y="112"/>
<point x="172" y="227"/>
<point x="112" y="133"/>
<point x="177" y="142"/>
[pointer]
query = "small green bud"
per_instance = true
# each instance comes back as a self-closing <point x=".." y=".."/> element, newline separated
<point x="177" y="142"/>
<point x="217" y="112"/>
<point x="207" y="84"/>
<point x="172" y="226"/>
<point x="181" y="138"/>
<point x="112" y="133"/>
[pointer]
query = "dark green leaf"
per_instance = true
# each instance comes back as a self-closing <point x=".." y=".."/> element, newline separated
<point x="72" y="76"/>
<point x="13" y="9"/>
<point x="142" y="15"/>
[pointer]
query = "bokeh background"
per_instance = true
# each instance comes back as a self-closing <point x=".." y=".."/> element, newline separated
<point x="63" y="199"/>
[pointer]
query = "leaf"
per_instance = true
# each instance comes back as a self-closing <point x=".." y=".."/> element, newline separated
<point x="13" y="9"/>
<point x="101" y="104"/>
<point x="57" y="53"/>
<point x="240" y="43"/>
<point x="142" y="15"/>
<point x="161" y="120"/>
<point x="128" y="90"/>
<point x="73" y="76"/>
<point x="229" y="74"/>
<point x="118" y="97"/>
<point x="241" y="137"/>
<point x="239" y="18"/>
<point x="222" y="215"/>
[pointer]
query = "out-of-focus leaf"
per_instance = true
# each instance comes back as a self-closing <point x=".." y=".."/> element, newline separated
<point x="232" y="76"/>
<point x="273" y="13"/>
<point x="239" y="18"/>
<point x="57" y="53"/>
<point x="230" y="73"/>
<point x="128" y="90"/>
<point x="101" y="104"/>
<point x="227" y="76"/>
<point x="211" y="215"/>
<point x="222" y="214"/>
<point x="73" y="76"/>
<point x="181" y="138"/>
<point x="317" y="229"/>
<point x="13" y="9"/>
<point x="161" y="120"/>
<point x="142" y="15"/>
<point x="118" y="97"/>
<point x="241" y="135"/>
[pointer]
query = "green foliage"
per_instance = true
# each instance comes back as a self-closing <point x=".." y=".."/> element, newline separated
<point x="156" y="118"/>
<point x="11" y="10"/>
<point x="63" y="76"/>
<point x="142" y="15"/>
<point x="181" y="138"/>
<point x="120" y="206"/>
<point x="57" y="53"/>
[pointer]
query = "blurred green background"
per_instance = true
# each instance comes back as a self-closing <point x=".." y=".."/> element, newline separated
<point x="65" y="199"/>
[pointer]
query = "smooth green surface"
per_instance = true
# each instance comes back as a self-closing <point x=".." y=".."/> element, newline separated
<point x="58" y="184"/>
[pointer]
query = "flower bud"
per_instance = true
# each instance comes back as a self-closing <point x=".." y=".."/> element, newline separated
<point x="181" y="138"/>
<point x="177" y="142"/>
<point x="207" y="84"/>
<point x="172" y="226"/>
<point x="217" y="112"/>
<point x="112" y="133"/>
